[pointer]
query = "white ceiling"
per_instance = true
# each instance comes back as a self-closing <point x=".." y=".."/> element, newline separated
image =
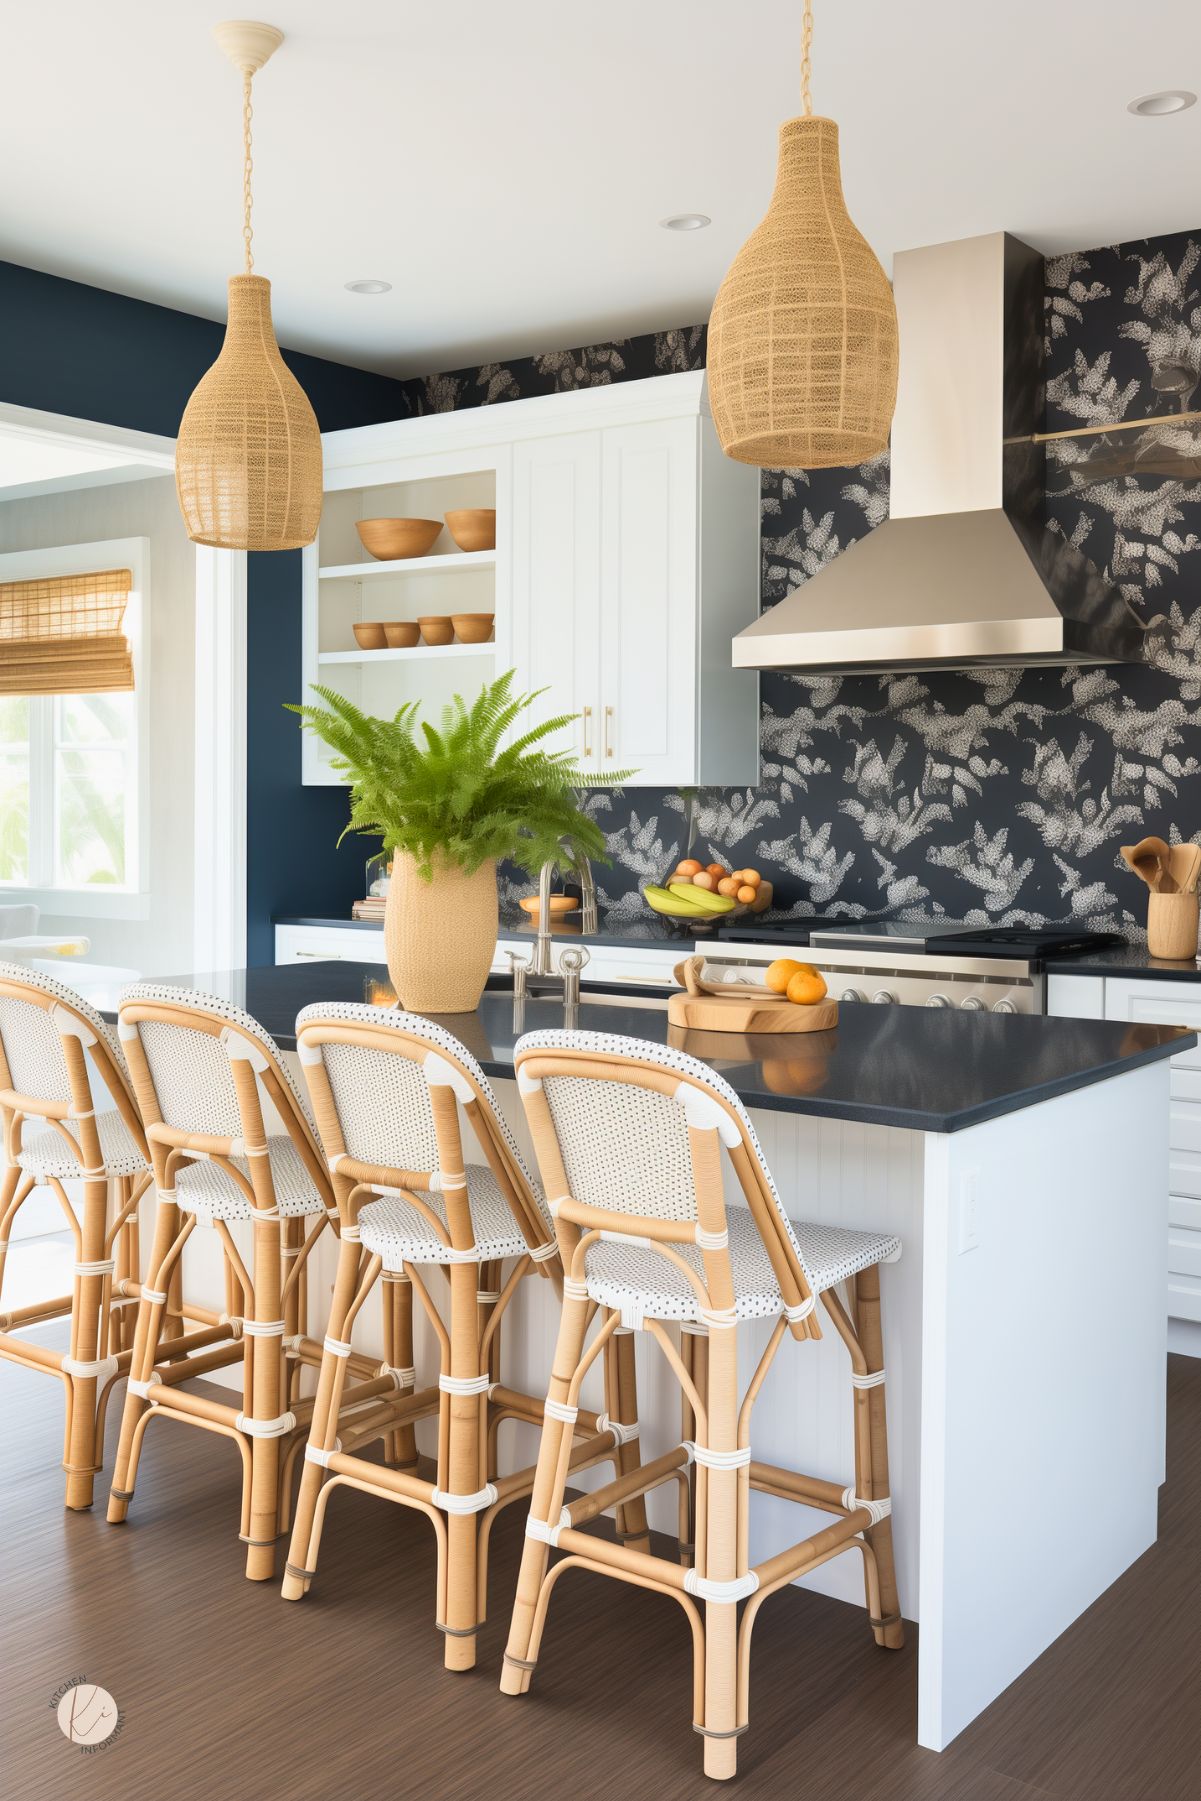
<point x="504" y="167"/>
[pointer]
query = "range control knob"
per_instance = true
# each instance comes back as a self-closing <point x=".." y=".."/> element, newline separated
<point x="973" y="1004"/>
<point x="850" y="994"/>
<point x="883" y="997"/>
<point x="937" y="1000"/>
<point x="1004" y="1007"/>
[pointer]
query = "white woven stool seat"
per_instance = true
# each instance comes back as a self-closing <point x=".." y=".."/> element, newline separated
<point x="398" y="1232"/>
<point x="44" y="1152"/>
<point x="206" y="1190"/>
<point x="630" y="1277"/>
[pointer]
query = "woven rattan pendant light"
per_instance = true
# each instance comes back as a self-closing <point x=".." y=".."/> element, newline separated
<point x="802" y="355"/>
<point x="248" y="455"/>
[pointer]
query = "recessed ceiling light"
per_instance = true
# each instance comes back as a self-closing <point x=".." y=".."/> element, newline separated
<point x="686" y="222"/>
<point x="1153" y="106"/>
<point x="369" y="287"/>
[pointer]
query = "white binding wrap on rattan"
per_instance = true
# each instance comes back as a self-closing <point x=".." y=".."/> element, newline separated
<point x="802" y="1310"/>
<point x="337" y="1347"/>
<point x="275" y="1428"/>
<point x="545" y="1533"/>
<point x="263" y="1328"/>
<point x="240" y="1050"/>
<point x="574" y="1289"/>
<point x="528" y="1084"/>
<point x="705" y="1590"/>
<point x="157" y="1295"/>
<point x="879" y="1510"/>
<point x="314" y="1453"/>
<point x="103" y="1266"/>
<point x="873" y="1379"/>
<point x="463" y="1385"/>
<point x="102" y="1371"/>
<point x="717" y="1460"/>
<point x="403" y="1378"/>
<point x="126" y="1031"/>
<point x="441" y="1073"/>
<point x="309" y="1054"/>
<point x="74" y="1112"/>
<point x="718" y="1319"/>
<point x="541" y="1252"/>
<point x="483" y="1497"/>
<point x="712" y="1241"/>
<point x="140" y="1388"/>
<point x="560" y="1410"/>
<point x="70" y="1025"/>
<point x="624" y="1434"/>
<point x="487" y="1297"/>
<point x="704" y="1114"/>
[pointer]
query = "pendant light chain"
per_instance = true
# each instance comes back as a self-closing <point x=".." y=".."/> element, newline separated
<point x="247" y="170"/>
<point x="806" y="47"/>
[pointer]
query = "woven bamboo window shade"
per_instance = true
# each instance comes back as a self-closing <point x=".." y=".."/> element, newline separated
<point x="64" y="635"/>
<point x="802" y="354"/>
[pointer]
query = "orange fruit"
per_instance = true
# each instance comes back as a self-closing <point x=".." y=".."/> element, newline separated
<point x="717" y="871"/>
<point x="728" y="885"/>
<point x="688" y="867"/>
<point x="746" y="895"/>
<point x="806" y="987"/>
<point x="751" y="877"/>
<point x="781" y="972"/>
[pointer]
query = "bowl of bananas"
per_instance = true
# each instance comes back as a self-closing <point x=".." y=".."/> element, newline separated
<point x="708" y="891"/>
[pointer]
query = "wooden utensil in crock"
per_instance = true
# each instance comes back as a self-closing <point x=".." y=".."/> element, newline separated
<point x="1184" y="866"/>
<point x="1149" y="860"/>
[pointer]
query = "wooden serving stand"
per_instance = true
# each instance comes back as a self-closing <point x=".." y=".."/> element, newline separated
<point x="708" y="1007"/>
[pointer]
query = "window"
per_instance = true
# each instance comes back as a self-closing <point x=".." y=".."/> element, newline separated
<point x="70" y="771"/>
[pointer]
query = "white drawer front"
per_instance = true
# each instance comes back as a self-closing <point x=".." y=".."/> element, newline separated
<point x="303" y="944"/>
<point x="1186" y="1083"/>
<point x="1184" y="1210"/>
<point x="1184" y="1173"/>
<point x="1185" y="1131"/>
<point x="1159" y="1004"/>
<point x="1184" y="1252"/>
<point x="1184" y="1297"/>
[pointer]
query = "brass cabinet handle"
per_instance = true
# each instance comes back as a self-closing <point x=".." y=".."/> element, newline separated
<point x="608" y="717"/>
<point x="587" y="724"/>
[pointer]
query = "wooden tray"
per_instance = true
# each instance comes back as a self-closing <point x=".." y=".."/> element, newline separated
<point x="702" y="1008"/>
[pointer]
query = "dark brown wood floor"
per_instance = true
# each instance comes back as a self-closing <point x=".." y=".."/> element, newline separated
<point x="230" y="1694"/>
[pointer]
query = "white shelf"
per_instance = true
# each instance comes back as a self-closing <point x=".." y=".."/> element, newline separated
<point x="451" y="559"/>
<point x="399" y="656"/>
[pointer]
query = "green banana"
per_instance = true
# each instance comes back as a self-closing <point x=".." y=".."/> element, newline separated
<point x="675" y="906"/>
<point x="704" y="898"/>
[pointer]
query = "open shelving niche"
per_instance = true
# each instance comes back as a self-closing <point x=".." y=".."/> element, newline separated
<point x="344" y="585"/>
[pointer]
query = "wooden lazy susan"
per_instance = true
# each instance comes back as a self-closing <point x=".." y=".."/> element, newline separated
<point x="704" y="1006"/>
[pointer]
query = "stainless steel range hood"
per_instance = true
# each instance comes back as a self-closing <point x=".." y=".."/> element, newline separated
<point x="963" y="572"/>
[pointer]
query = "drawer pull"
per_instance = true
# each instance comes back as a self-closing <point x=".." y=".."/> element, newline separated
<point x="587" y="729"/>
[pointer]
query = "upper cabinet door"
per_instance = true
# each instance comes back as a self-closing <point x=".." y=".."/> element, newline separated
<point x="649" y="601"/>
<point x="556" y="582"/>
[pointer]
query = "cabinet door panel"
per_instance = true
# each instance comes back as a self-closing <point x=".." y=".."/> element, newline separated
<point x="649" y="600"/>
<point x="556" y="581"/>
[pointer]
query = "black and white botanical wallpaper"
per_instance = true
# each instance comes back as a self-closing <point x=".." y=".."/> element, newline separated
<point x="995" y="796"/>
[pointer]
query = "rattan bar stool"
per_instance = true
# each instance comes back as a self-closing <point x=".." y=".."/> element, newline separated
<point x="630" y="1140"/>
<point x="51" y="1044"/>
<point x="387" y="1088"/>
<point x="203" y="1071"/>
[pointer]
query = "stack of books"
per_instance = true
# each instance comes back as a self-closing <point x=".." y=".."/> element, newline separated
<point x="371" y="908"/>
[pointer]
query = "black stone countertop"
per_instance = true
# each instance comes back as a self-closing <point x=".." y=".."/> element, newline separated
<point x="646" y="931"/>
<point x="1124" y="960"/>
<point x="915" y="1068"/>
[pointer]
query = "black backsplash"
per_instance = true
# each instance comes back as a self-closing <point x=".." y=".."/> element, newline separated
<point x="996" y="796"/>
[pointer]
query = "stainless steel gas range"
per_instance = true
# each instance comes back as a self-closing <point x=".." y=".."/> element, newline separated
<point x="924" y="963"/>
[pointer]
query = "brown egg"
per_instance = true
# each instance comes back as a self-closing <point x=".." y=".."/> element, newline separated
<point x="704" y="880"/>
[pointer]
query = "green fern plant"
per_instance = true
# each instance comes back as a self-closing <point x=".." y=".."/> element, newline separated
<point x="452" y="792"/>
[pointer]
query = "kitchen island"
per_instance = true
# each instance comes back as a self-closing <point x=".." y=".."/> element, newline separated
<point x="1023" y="1163"/>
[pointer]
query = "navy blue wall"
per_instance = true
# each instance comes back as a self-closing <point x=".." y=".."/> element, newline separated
<point x="82" y="351"/>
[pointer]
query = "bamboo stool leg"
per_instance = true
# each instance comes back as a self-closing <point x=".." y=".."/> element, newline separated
<point x="721" y="1560"/>
<point x="405" y="1437"/>
<point x="302" y="1558"/>
<point x="890" y="1632"/>
<point x="141" y="1364"/>
<point x="80" y="1461"/>
<point x="546" y="1500"/>
<point x="631" y="1520"/>
<point x="465" y="1472"/>
<point x="264" y="1355"/>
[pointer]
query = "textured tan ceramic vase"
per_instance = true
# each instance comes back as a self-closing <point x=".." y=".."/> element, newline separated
<point x="440" y="936"/>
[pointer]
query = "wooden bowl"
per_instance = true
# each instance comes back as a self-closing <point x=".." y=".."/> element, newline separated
<point x="389" y="539"/>
<point x="370" y="636"/>
<point x="472" y="628"/>
<point x="559" y="905"/>
<point x="436" y="628"/>
<point x="473" y="528"/>
<point x="401" y="634"/>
